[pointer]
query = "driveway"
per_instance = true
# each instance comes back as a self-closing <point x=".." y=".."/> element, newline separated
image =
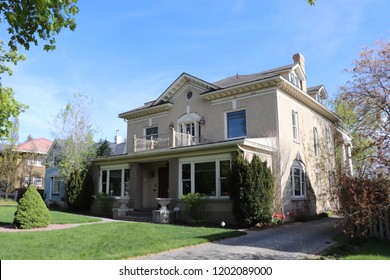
<point x="291" y="241"/>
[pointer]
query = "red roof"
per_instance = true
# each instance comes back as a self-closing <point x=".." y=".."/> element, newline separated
<point x="39" y="145"/>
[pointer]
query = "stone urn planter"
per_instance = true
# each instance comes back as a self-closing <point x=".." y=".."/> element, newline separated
<point x="163" y="202"/>
<point x="163" y="215"/>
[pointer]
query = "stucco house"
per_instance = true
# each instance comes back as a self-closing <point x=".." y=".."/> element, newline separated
<point x="185" y="141"/>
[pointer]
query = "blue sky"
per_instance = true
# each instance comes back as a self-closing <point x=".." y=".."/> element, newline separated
<point x="124" y="53"/>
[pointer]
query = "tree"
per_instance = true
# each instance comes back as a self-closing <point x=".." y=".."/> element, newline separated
<point x="28" y="22"/>
<point x="73" y="128"/>
<point x="8" y="168"/>
<point x="104" y="149"/>
<point x="364" y="104"/>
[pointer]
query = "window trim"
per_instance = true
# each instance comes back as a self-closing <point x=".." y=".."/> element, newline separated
<point x="303" y="181"/>
<point x="295" y="125"/>
<point x="227" y="128"/>
<point x="194" y="160"/>
<point x="53" y="179"/>
<point x="123" y="169"/>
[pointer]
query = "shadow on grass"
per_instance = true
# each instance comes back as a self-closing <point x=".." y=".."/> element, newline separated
<point x="222" y="235"/>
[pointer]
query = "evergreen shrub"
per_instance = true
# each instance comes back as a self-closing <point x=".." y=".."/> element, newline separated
<point x="252" y="188"/>
<point x="31" y="211"/>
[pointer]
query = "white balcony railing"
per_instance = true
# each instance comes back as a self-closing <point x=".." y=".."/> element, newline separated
<point x="165" y="140"/>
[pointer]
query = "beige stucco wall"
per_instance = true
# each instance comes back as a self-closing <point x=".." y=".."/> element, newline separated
<point x="304" y="150"/>
<point x="260" y="112"/>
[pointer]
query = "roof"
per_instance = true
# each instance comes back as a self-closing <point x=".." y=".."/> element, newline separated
<point x="118" y="149"/>
<point x="242" y="79"/>
<point x="39" y="145"/>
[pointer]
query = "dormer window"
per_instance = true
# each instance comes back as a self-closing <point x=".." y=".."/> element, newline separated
<point x="319" y="98"/>
<point x="295" y="80"/>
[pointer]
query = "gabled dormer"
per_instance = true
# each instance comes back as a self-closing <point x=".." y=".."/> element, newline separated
<point x="297" y="74"/>
<point x="318" y="93"/>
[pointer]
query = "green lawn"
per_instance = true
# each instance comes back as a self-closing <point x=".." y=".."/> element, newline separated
<point x="57" y="217"/>
<point x="114" y="240"/>
<point x="355" y="249"/>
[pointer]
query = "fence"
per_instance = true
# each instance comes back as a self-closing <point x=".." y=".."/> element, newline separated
<point x="377" y="226"/>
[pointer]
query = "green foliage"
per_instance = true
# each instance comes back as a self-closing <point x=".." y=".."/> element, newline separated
<point x="252" y="191"/>
<point x="103" y="149"/>
<point x="79" y="191"/>
<point x="30" y="21"/>
<point x="31" y="211"/>
<point x="194" y="206"/>
<point x="105" y="203"/>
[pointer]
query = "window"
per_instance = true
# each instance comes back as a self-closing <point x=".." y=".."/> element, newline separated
<point x="190" y="124"/>
<point x="319" y="98"/>
<point x="295" y="80"/>
<point x="236" y="124"/>
<point x="55" y="183"/>
<point x="298" y="181"/>
<point x="316" y="144"/>
<point x="328" y="138"/>
<point x="114" y="181"/>
<point x="295" y="125"/>
<point x="208" y="177"/>
<point x="151" y="133"/>
<point x="34" y="162"/>
<point x="36" y="181"/>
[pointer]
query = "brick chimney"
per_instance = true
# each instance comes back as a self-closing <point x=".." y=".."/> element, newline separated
<point x="300" y="59"/>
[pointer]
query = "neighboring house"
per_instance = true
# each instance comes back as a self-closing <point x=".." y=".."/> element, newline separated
<point x="185" y="141"/>
<point x="28" y="168"/>
<point x="54" y="193"/>
<point x="32" y="172"/>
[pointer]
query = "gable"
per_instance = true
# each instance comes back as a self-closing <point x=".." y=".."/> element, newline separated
<point x="179" y="85"/>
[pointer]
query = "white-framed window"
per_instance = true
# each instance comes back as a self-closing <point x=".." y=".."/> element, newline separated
<point x="205" y="175"/>
<point x="55" y="185"/>
<point x="319" y="98"/>
<point x="36" y="181"/>
<point x="295" y="80"/>
<point x="34" y="162"/>
<point x="295" y="125"/>
<point x="151" y="132"/>
<point x="113" y="180"/>
<point x="316" y="142"/>
<point x="235" y="124"/>
<point x="298" y="181"/>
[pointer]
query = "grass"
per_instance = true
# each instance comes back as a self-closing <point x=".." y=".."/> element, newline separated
<point x="57" y="217"/>
<point x="104" y="241"/>
<point x="359" y="249"/>
<point x="108" y="241"/>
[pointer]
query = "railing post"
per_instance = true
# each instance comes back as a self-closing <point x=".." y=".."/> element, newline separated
<point x="173" y="142"/>
<point x="188" y="139"/>
<point x="134" y="143"/>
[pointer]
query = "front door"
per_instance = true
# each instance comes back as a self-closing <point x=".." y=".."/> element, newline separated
<point x="163" y="182"/>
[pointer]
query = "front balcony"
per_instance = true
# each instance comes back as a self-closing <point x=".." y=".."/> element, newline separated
<point x="165" y="140"/>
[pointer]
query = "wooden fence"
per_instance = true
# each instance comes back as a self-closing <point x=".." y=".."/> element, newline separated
<point x="378" y="225"/>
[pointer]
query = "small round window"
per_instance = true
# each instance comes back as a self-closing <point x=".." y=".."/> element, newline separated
<point x="189" y="95"/>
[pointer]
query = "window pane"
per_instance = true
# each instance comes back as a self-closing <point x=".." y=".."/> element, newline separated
<point x="205" y="178"/>
<point x="104" y="181"/>
<point x="236" y="124"/>
<point x="186" y="187"/>
<point x="186" y="171"/>
<point x="151" y="132"/>
<point x="224" y="168"/>
<point x="115" y="182"/>
<point x="297" y="182"/>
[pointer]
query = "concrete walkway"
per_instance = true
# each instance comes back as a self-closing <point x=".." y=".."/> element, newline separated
<point x="288" y="242"/>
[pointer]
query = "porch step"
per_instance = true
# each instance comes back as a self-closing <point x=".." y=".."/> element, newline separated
<point x="139" y="215"/>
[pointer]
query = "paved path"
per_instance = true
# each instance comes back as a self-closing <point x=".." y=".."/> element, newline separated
<point x="292" y="241"/>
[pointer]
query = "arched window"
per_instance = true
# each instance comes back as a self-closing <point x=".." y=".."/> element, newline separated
<point x="298" y="180"/>
<point x="189" y="123"/>
<point x="316" y="144"/>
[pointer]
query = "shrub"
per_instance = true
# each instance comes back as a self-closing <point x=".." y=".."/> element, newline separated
<point x="252" y="190"/>
<point x="194" y="206"/>
<point x="31" y="211"/>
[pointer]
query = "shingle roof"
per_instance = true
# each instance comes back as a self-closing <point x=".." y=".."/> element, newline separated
<point x="39" y="145"/>
<point x="242" y="79"/>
